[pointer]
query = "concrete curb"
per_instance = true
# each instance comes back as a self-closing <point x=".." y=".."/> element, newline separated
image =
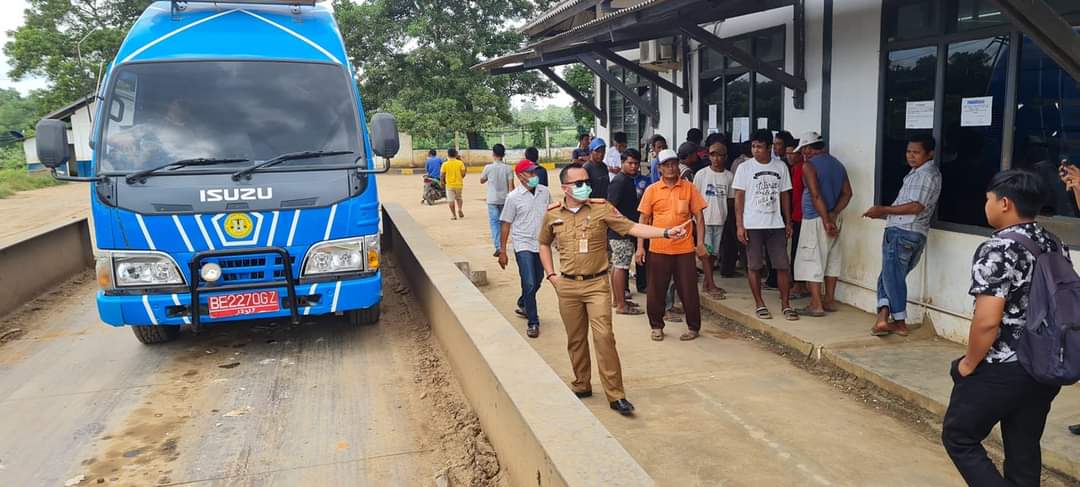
<point x="542" y="434"/>
<point x="31" y="267"/>
<point x="784" y="338"/>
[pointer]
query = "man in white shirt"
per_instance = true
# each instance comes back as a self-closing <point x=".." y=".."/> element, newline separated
<point x="499" y="178"/>
<point x="714" y="184"/>
<point x="763" y="218"/>
<point x="613" y="157"/>
<point x="521" y="219"/>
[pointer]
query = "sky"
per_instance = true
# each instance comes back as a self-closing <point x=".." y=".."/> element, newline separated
<point x="11" y="17"/>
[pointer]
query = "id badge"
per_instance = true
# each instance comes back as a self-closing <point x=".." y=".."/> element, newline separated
<point x="583" y="246"/>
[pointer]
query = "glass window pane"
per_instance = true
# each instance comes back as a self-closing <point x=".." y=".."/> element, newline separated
<point x="737" y="107"/>
<point x="1047" y="131"/>
<point x="976" y="14"/>
<point x="743" y="44"/>
<point x="909" y="77"/>
<point x="712" y="93"/>
<point x="711" y="59"/>
<point x="768" y="103"/>
<point x="970" y="152"/>
<point x="911" y="19"/>
<point x="769" y="47"/>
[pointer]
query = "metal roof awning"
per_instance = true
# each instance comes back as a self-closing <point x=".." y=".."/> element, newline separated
<point x="598" y="40"/>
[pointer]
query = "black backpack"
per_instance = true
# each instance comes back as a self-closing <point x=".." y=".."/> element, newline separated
<point x="1050" y="347"/>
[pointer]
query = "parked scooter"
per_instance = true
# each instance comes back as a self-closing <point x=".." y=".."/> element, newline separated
<point x="433" y="190"/>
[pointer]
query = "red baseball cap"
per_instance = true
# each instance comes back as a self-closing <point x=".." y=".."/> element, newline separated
<point x="524" y="165"/>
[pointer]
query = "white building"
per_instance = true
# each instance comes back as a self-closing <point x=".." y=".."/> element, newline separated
<point x="79" y="117"/>
<point x="866" y="74"/>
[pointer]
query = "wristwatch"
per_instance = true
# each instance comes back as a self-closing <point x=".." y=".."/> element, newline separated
<point x="666" y="234"/>
<point x="549" y="275"/>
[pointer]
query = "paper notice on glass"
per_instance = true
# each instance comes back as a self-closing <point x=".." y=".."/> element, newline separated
<point x="920" y="115"/>
<point x="740" y="129"/>
<point x="977" y="112"/>
<point x="763" y="123"/>
<point x="712" y="119"/>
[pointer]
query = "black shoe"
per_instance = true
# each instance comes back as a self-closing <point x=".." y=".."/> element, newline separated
<point x="520" y="312"/>
<point x="1074" y="429"/>
<point x="583" y="395"/>
<point x="534" y="331"/>
<point x="623" y="407"/>
<point x="496" y="254"/>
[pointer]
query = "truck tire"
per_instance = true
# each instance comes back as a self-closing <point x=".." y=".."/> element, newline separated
<point x="369" y="316"/>
<point x="151" y="335"/>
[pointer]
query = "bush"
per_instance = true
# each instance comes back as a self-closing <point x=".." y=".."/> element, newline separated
<point x="15" y="180"/>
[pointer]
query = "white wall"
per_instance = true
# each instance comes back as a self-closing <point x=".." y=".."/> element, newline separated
<point x="82" y="128"/>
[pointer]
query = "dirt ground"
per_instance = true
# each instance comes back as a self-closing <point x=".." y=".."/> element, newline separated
<point x="29" y="211"/>
<point x="259" y="403"/>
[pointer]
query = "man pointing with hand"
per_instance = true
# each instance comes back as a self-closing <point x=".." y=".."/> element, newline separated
<point x="578" y="227"/>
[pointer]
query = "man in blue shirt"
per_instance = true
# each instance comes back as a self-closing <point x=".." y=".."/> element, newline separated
<point x="657" y="144"/>
<point x="433" y="165"/>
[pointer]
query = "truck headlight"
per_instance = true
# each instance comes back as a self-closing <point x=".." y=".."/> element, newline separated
<point x="142" y="269"/>
<point x="346" y="255"/>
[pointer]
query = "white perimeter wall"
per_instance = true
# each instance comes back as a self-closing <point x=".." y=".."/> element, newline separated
<point x="938" y="286"/>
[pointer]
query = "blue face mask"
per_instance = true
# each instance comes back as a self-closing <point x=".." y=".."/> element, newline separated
<point x="581" y="193"/>
<point x="533" y="181"/>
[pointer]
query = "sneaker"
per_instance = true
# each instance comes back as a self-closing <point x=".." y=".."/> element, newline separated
<point x="533" y="331"/>
<point x="520" y="312"/>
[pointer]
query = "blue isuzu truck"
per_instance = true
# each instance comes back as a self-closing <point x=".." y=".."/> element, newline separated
<point x="233" y="170"/>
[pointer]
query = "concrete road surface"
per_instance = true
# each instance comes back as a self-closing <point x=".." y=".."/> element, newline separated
<point x="720" y="410"/>
<point x="322" y="403"/>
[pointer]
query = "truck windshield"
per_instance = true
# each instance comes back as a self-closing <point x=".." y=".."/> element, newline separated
<point x="246" y="110"/>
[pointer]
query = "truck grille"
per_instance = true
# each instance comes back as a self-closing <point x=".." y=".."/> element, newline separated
<point x="249" y="268"/>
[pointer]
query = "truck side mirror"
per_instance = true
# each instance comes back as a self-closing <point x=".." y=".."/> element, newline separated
<point x="52" y="143"/>
<point x="384" y="135"/>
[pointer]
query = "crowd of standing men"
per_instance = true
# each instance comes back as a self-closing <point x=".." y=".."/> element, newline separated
<point x="773" y="207"/>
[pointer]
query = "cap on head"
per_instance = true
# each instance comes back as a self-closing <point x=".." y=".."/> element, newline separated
<point x="809" y="138"/>
<point x="686" y="149"/>
<point x="524" y="165"/>
<point x="596" y="144"/>
<point x="667" y="155"/>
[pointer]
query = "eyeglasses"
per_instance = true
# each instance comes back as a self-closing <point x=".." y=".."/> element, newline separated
<point x="578" y="183"/>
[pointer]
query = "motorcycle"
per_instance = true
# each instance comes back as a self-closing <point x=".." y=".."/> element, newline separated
<point x="433" y="191"/>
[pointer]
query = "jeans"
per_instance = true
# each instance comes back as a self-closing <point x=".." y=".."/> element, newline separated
<point x="532" y="276"/>
<point x="494" y="212"/>
<point x="900" y="252"/>
<point x="992" y="394"/>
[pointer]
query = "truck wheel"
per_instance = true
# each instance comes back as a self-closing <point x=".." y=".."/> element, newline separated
<point x="150" y="335"/>
<point x="368" y="316"/>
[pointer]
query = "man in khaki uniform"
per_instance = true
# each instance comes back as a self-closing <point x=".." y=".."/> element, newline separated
<point x="578" y="227"/>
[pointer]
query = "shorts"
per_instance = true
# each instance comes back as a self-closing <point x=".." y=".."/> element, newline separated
<point x="713" y="235"/>
<point x="773" y="241"/>
<point x="818" y="256"/>
<point x="622" y="253"/>
<point x="453" y="194"/>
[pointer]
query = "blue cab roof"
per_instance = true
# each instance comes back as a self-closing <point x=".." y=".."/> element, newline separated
<point x="233" y="31"/>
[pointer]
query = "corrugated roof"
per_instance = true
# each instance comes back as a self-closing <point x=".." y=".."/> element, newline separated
<point x="601" y="20"/>
<point x="71" y="108"/>
<point x="555" y="11"/>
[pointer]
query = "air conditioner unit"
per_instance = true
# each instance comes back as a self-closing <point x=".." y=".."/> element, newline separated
<point x="659" y="54"/>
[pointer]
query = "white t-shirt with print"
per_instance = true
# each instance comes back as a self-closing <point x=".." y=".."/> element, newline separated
<point x="714" y="187"/>
<point x="612" y="159"/>
<point x="763" y="184"/>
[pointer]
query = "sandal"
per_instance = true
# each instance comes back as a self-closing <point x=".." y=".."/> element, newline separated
<point x="790" y="314"/>
<point x="810" y="312"/>
<point x="880" y="332"/>
<point x="689" y="335"/>
<point x="630" y="311"/>
<point x="677" y="310"/>
<point x="763" y="313"/>
<point x="658" y="335"/>
<point x="673" y="318"/>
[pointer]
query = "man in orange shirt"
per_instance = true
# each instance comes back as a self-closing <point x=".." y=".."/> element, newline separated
<point x="673" y="201"/>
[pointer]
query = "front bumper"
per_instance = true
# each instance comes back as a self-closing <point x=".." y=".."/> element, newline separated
<point x="171" y="309"/>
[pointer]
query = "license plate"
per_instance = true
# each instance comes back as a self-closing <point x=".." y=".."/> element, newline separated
<point x="249" y="303"/>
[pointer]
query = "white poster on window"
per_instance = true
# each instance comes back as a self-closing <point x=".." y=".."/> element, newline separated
<point x="977" y="111"/>
<point x="740" y="129"/>
<point x="763" y="123"/>
<point x="920" y="115"/>
<point x="712" y="119"/>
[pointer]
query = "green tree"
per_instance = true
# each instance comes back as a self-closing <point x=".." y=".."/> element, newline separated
<point x="17" y="113"/>
<point x="581" y="78"/>
<point x="414" y="58"/>
<point x="47" y="44"/>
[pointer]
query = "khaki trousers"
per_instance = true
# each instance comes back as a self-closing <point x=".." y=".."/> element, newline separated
<point x="584" y="306"/>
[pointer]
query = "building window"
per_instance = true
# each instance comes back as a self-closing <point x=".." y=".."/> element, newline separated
<point x="624" y="116"/>
<point x="736" y="100"/>
<point x="954" y="82"/>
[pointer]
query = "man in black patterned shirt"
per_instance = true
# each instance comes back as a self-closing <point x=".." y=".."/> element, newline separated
<point x="990" y="386"/>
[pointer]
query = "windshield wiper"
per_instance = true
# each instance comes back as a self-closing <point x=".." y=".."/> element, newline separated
<point x="291" y="156"/>
<point x="199" y="161"/>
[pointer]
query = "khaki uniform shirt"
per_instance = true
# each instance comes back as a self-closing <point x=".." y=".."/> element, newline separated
<point x="581" y="237"/>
